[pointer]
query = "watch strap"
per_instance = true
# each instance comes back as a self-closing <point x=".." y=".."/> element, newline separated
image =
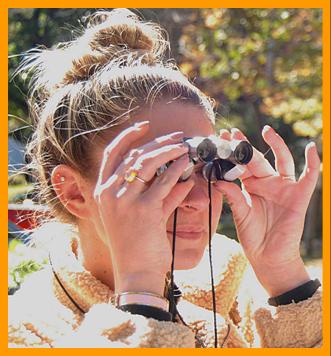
<point x="297" y="294"/>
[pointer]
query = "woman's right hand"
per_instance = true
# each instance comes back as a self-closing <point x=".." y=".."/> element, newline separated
<point x="134" y="215"/>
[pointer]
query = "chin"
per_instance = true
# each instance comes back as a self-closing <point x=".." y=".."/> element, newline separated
<point x="188" y="253"/>
<point x="188" y="258"/>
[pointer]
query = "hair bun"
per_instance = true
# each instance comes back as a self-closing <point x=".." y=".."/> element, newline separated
<point x="118" y="35"/>
<point x="121" y="27"/>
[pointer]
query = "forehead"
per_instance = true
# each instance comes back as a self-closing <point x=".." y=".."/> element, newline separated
<point x="166" y="118"/>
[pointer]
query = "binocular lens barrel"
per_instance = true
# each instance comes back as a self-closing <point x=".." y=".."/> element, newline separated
<point x="243" y="153"/>
<point x="206" y="150"/>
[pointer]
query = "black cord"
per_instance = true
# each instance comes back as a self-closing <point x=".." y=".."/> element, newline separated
<point x="172" y="303"/>
<point x="197" y="338"/>
<point x="62" y="286"/>
<point x="210" y="258"/>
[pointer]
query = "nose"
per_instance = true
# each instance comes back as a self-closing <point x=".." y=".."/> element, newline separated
<point x="197" y="198"/>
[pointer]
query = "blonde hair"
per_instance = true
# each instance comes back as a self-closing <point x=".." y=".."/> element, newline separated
<point x="96" y="82"/>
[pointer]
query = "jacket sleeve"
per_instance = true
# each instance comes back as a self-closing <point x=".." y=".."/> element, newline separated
<point x="293" y="325"/>
<point x="296" y="325"/>
<point x="107" y="327"/>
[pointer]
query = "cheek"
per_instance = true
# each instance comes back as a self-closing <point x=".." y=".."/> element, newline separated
<point x="89" y="199"/>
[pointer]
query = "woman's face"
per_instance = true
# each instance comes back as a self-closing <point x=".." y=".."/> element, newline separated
<point x="192" y="219"/>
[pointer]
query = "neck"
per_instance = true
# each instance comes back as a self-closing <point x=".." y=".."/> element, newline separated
<point x="95" y="255"/>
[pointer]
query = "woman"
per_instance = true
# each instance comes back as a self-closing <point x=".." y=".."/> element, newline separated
<point x="109" y="111"/>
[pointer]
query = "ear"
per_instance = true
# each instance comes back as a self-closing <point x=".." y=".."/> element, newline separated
<point x="70" y="189"/>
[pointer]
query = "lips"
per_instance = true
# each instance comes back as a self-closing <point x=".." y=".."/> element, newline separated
<point x="188" y="232"/>
<point x="187" y="228"/>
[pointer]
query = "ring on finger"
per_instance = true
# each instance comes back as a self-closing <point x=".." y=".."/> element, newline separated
<point x="288" y="177"/>
<point x="131" y="175"/>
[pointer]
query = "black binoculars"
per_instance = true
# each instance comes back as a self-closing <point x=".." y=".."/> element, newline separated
<point x="215" y="158"/>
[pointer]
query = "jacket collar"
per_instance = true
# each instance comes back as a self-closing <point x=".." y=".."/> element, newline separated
<point x="71" y="280"/>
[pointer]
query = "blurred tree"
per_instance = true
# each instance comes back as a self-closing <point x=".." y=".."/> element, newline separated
<point x="260" y="65"/>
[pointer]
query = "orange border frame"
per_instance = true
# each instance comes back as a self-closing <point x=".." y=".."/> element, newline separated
<point x="323" y="4"/>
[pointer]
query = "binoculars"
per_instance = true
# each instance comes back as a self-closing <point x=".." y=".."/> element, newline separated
<point x="215" y="158"/>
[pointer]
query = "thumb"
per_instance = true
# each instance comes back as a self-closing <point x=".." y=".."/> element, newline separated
<point x="239" y="200"/>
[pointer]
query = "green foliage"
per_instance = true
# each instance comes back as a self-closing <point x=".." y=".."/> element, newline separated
<point x="18" y="192"/>
<point x="23" y="261"/>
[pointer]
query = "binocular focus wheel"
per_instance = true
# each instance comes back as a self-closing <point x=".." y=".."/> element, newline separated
<point x="212" y="171"/>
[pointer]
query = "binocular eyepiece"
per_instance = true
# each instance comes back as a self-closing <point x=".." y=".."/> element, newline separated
<point x="217" y="159"/>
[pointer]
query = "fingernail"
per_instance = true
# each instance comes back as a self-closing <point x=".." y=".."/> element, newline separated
<point x="234" y="129"/>
<point x="266" y="128"/>
<point x="177" y="134"/>
<point x="311" y="144"/>
<point x="141" y="123"/>
<point x="182" y="145"/>
<point x="223" y="131"/>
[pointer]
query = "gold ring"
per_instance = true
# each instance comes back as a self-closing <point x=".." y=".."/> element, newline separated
<point x="130" y="177"/>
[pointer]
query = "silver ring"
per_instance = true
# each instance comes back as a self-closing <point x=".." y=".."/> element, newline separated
<point x="291" y="177"/>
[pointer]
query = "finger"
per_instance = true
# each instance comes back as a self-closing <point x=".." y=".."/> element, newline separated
<point x="284" y="162"/>
<point x="309" y="176"/>
<point x="239" y="201"/>
<point x="119" y="145"/>
<point x="236" y="134"/>
<point x="158" y="142"/>
<point x="258" y="166"/>
<point x="147" y="164"/>
<point x="225" y="134"/>
<point x="162" y="185"/>
<point x="176" y="196"/>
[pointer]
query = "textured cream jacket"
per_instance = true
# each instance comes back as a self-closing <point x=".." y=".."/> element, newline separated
<point x="42" y="315"/>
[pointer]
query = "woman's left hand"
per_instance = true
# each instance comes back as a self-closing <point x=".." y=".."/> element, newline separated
<point x="269" y="211"/>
